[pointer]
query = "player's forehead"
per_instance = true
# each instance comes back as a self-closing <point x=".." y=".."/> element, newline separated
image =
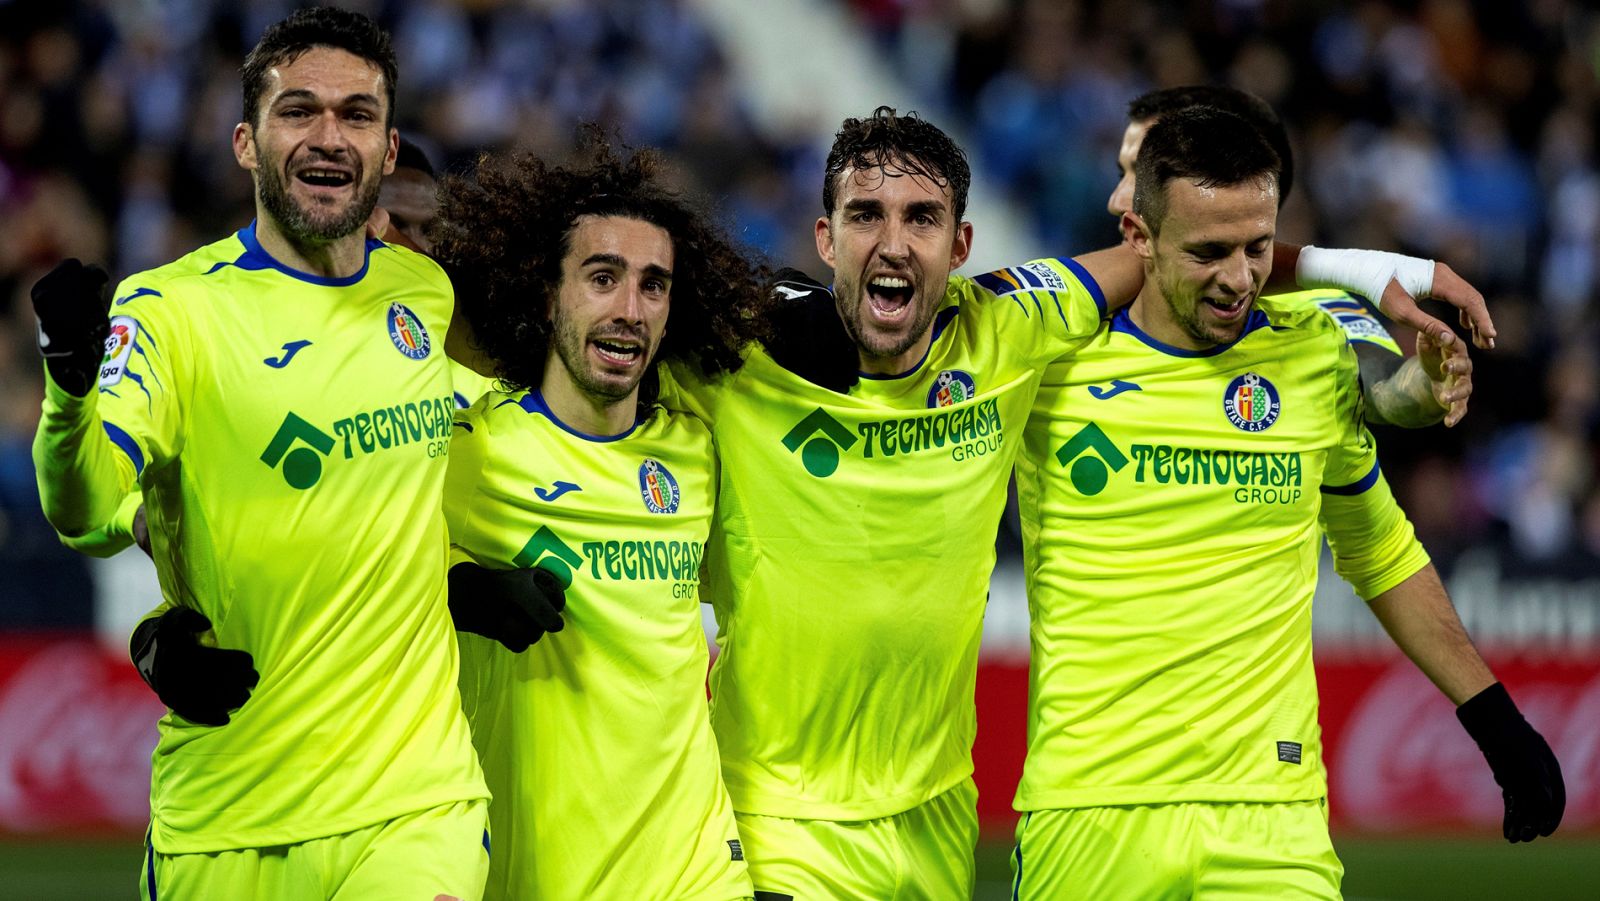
<point x="330" y="74"/>
<point x="893" y="183"/>
<point x="1132" y="140"/>
<point x="1223" y="214"/>
<point x="635" y="243"/>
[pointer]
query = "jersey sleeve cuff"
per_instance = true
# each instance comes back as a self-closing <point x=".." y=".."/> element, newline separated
<point x="1366" y="481"/>
<point x="1088" y="282"/>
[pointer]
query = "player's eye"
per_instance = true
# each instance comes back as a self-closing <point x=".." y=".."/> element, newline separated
<point x="603" y="279"/>
<point x="295" y="112"/>
<point x="655" y="286"/>
<point x="360" y="116"/>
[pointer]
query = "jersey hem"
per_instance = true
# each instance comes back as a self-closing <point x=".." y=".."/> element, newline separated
<point x="166" y="840"/>
<point x="1131" y="795"/>
<point x="748" y="802"/>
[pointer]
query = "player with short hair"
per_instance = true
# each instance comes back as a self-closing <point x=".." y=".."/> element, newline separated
<point x="597" y="743"/>
<point x="1171" y="507"/>
<point x="1420" y="391"/>
<point x="855" y="530"/>
<point x="282" y="400"/>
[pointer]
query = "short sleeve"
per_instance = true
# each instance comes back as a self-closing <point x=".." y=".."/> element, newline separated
<point x="1047" y="307"/>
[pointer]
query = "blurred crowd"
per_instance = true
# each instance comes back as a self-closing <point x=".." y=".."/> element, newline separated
<point x="1458" y="129"/>
<point x="1454" y="128"/>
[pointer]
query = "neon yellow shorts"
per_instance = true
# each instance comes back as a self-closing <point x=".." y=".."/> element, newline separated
<point x="922" y="853"/>
<point x="439" y="853"/>
<point x="1161" y="851"/>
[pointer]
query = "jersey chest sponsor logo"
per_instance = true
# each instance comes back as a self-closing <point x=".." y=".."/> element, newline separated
<point x="1091" y="458"/>
<point x="965" y="432"/>
<point x="951" y="387"/>
<point x="407" y="333"/>
<point x="658" y="487"/>
<point x="299" y="446"/>
<point x="616" y="560"/>
<point x="1251" y="403"/>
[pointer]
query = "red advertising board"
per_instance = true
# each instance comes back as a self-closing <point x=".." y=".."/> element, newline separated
<point x="1398" y="760"/>
<point x="77" y="728"/>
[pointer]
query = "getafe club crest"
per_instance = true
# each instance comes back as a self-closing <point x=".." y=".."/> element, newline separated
<point x="407" y="333"/>
<point x="1251" y="403"/>
<point x="659" y="488"/>
<point x="951" y="387"/>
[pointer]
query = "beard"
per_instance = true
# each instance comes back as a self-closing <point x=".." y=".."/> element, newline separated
<point x="1187" y="318"/>
<point x="314" y="225"/>
<point x="875" y="343"/>
<point x="572" y="347"/>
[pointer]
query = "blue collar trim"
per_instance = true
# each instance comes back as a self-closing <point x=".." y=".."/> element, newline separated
<point x="255" y="257"/>
<point x="1123" y="322"/>
<point x="533" y="402"/>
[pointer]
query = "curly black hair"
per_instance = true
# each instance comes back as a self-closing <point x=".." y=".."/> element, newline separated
<point x="318" y="26"/>
<point x="504" y="228"/>
<point x="911" y="143"/>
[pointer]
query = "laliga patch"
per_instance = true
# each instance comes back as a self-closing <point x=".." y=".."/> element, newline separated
<point x="951" y="387"/>
<point x="658" y="487"/>
<point x="1251" y="403"/>
<point x="1289" y="751"/>
<point x="1047" y="276"/>
<point x="407" y="333"/>
<point x="119" y="347"/>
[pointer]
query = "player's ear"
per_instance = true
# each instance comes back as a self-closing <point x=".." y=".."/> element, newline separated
<point x="1138" y="234"/>
<point x="825" y="240"/>
<point x="393" y="153"/>
<point x="244" y="146"/>
<point x="961" y="247"/>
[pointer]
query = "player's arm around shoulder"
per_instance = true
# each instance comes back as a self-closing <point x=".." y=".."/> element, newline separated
<point x="1046" y="308"/>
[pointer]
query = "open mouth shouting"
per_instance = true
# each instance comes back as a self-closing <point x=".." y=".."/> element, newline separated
<point x="889" y="298"/>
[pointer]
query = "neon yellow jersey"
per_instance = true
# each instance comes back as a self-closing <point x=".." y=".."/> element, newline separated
<point x="596" y="741"/>
<point x="1170" y="506"/>
<point x="467" y="385"/>
<point x="1360" y="324"/>
<point x="290" y="437"/>
<point x="854" y="540"/>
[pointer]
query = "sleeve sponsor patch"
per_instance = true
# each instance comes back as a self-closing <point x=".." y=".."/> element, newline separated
<point x="1361" y="327"/>
<point x="119" y="347"/>
<point x="1046" y="275"/>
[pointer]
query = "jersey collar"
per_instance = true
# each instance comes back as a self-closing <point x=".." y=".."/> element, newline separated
<point x="1122" y="322"/>
<point x="533" y="402"/>
<point x="256" y="257"/>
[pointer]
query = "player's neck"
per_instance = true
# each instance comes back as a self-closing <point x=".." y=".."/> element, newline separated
<point x="340" y="258"/>
<point x="897" y="364"/>
<point x="586" y="412"/>
<point x="1151" y="313"/>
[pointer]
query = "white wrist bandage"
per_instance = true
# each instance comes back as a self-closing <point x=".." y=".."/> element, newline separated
<point x="1364" y="272"/>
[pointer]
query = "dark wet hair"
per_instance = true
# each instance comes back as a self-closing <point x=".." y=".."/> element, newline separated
<point x="1245" y="105"/>
<point x="909" y="142"/>
<point x="411" y="156"/>
<point x="318" y="26"/>
<point x="1213" y="147"/>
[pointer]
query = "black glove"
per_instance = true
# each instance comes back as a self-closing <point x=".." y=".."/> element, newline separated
<point x="71" y="303"/>
<point x="1523" y="764"/>
<point x="513" y="606"/>
<point x="808" y="337"/>
<point x="200" y="683"/>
